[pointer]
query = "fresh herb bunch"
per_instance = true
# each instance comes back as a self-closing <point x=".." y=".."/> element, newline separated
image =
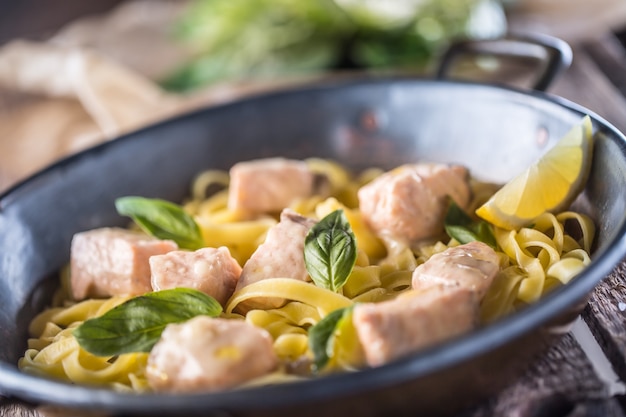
<point x="237" y="39"/>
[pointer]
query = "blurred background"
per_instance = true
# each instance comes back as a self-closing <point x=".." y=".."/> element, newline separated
<point x="236" y="39"/>
<point x="74" y="73"/>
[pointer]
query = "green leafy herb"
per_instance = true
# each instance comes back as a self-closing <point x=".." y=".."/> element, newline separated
<point x="136" y="325"/>
<point x="460" y="226"/>
<point x="321" y="336"/>
<point x="163" y="220"/>
<point x="330" y="251"/>
<point x="239" y="39"/>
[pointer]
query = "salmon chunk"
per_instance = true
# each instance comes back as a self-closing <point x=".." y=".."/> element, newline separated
<point x="207" y="354"/>
<point x="472" y="266"/>
<point x="113" y="261"/>
<point x="213" y="271"/>
<point x="269" y="185"/>
<point x="409" y="204"/>
<point x="392" y="329"/>
<point x="281" y="255"/>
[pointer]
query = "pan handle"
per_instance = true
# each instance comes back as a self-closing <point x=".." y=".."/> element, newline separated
<point x="554" y="53"/>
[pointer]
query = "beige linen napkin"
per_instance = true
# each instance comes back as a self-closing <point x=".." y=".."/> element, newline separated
<point x="76" y="98"/>
<point x="73" y="98"/>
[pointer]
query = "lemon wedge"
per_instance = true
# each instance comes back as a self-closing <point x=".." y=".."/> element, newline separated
<point x="549" y="185"/>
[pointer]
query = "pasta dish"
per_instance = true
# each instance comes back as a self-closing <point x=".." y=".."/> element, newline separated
<point x="281" y="270"/>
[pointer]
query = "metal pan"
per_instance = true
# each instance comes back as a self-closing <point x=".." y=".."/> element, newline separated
<point x="495" y="131"/>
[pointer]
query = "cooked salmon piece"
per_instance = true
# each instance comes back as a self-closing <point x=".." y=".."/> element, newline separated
<point x="392" y="329"/>
<point x="208" y="354"/>
<point x="113" y="261"/>
<point x="472" y="265"/>
<point x="281" y="255"/>
<point x="210" y="270"/>
<point x="408" y="204"/>
<point x="443" y="303"/>
<point x="269" y="185"/>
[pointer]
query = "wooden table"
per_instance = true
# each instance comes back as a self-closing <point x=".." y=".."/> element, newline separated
<point x="564" y="382"/>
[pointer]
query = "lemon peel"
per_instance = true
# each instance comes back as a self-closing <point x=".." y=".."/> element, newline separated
<point x="549" y="185"/>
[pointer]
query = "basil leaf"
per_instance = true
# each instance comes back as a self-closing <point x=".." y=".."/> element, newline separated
<point x="330" y="251"/>
<point x="460" y="226"/>
<point x="163" y="220"/>
<point x="321" y="336"/>
<point x="136" y="325"/>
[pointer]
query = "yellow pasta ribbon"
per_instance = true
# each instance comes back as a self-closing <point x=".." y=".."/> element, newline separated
<point x="362" y="279"/>
<point x="241" y="238"/>
<point x="291" y="289"/>
<point x="545" y="253"/>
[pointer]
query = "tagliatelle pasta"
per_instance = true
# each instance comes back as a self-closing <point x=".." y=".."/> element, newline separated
<point x="540" y="258"/>
<point x="56" y="353"/>
<point x="533" y="260"/>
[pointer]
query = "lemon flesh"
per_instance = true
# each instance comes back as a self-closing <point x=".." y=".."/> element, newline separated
<point x="549" y="185"/>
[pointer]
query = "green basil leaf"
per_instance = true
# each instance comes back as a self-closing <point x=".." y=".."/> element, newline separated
<point x="322" y="336"/>
<point x="162" y="219"/>
<point x="136" y="325"/>
<point x="460" y="226"/>
<point x="330" y="251"/>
